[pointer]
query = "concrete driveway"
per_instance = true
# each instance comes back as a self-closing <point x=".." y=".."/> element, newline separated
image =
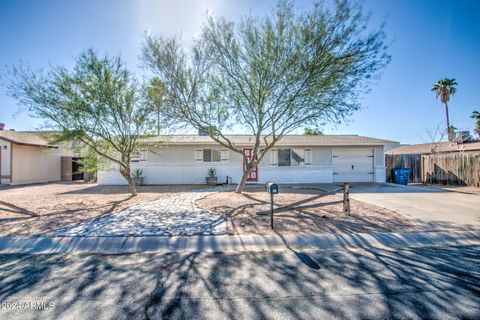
<point x="431" y="208"/>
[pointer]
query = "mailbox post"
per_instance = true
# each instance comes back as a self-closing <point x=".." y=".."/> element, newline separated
<point x="271" y="188"/>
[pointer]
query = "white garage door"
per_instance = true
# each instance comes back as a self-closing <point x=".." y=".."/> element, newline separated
<point x="352" y="164"/>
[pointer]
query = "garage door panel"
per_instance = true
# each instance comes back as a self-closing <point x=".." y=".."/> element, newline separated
<point x="353" y="164"/>
<point x="352" y="151"/>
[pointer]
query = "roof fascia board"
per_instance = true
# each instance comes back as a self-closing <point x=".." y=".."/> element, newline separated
<point x="28" y="144"/>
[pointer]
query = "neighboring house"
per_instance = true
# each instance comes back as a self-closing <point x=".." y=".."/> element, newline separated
<point x="185" y="159"/>
<point x="27" y="157"/>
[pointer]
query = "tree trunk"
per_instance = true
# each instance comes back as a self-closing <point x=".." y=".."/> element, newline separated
<point x="131" y="184"/>
<point x="126" y="174"/>
<point x="448" y="123"/>
<point x="158" y="121"/>
<point x="242" y="182"/>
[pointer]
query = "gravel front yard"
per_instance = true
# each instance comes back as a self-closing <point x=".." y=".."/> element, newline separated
<point x="175" y="215"/>
<point x="45" y="208"/>
<point x="69" y="209"/>
<point x="323" y="215"/>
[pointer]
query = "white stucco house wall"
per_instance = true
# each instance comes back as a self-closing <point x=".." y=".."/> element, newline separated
<point x="26" y="157"/>
<point x="185" y="159"/>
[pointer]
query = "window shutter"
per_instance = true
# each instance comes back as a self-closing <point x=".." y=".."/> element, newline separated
<point x="225" y="155"/>
<point x="198" y="155"/>
<point x="273" y="158"/>
<point x="143" y="154"/>
<point x="308" y="156"/>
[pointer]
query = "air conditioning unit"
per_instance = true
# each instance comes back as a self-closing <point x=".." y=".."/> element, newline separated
<point x="462" y="136"/>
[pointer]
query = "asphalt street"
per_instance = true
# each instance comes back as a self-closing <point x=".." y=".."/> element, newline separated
<point x="440" y="282"/>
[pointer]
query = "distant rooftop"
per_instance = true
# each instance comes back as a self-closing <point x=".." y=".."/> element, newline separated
<point x="440" y="147"/>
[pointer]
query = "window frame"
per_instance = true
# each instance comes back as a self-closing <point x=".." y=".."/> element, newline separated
<point x="213" y="151"/>
<point x="279" y="159"/>
<point x="139" y="155"/>
<point x="291" y="159"/>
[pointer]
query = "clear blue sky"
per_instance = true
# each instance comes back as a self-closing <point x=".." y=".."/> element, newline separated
<point x="432" y="40"/>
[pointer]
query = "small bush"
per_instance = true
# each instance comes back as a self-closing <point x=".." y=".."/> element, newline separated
<point x="212" y="173"/>
<point x="137" y="173"/>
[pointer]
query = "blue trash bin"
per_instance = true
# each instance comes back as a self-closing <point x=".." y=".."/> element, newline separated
<point x="400" y="175"/>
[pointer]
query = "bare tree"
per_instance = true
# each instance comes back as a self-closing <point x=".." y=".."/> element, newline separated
<point x="434" y="139"/>
<point x="269" y="75"/>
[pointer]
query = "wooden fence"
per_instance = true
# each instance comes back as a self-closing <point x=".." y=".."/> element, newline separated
<point x="411" y="161"/>
<point x="459" y="168"/>
<point x="456" y="168"/>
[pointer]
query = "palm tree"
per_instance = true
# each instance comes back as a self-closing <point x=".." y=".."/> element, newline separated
<point x="445" y="88"/>
<point x="476" y="115"/>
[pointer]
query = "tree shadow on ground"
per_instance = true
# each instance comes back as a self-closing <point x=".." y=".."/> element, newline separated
<point x="9" y="207"/>
<point x="37" y="224"/>
<point x="249" y="213"/>
<point x="415" y="282"/>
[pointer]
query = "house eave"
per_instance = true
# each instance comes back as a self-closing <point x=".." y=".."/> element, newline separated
<point x="262" y="144"/>
<point x="29" y="144"/>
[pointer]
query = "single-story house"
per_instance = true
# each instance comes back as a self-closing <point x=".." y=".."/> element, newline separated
<point x="29" y="157"/>
<point x="26" y="157"/>
<point x="185" y="159"/>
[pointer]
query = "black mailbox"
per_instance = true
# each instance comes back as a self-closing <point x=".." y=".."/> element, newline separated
<point x="271" y="188"/>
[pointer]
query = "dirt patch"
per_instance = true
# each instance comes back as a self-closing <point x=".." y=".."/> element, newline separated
<point x="322" y="215"/>
<point x="44" y="208"/>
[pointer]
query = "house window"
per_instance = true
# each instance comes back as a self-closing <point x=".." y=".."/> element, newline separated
<point x="139" y="155"/>
<point x="290" y="157"/>
<point x="284" y="159"/>
<point x="298" y="157"/>
<point x="211" y="155"/>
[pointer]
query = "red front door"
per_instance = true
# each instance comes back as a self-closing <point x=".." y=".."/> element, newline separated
<point x="253" y="175"/>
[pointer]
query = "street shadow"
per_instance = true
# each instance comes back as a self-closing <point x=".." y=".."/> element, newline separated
<point x="302" y="256"/>
<point x="388" y="283"/>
